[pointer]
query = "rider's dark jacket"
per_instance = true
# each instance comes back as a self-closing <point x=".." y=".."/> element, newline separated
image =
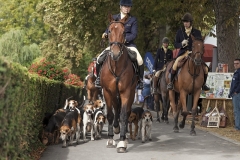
<point x="181" y="35"/>
<point x="131" y="29"/>
<point x="160" y="58"/>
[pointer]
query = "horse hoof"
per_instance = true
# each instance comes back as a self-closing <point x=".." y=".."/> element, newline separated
<point x="150" y="139"/>
<point x="121" y="150"/>
<point x="111" y="143"/>
<point x="64" y="146"/>
<point x="175" y="129"/>
<point x="181" y="126"/>
<point x="167" y="122"/>
<point x="158" y="120"/>
<point x="143" y="141"/>
<point x="185" y="113"/>
<point x="116" y="130"/>
<point x="193" y="133"/>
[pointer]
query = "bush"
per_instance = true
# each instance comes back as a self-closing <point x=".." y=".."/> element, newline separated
<point x="49" y="70"/>
<point x="52" y="71"/>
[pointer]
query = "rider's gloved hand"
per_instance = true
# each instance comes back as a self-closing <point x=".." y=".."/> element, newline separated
<point x="184" y="43"/>
<point x="104" y="35"/>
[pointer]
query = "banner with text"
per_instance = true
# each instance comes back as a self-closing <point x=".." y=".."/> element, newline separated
<point x="149" y="61"/>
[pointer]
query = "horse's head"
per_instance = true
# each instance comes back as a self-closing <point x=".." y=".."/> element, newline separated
<point x="197" y="50"/>
<point x="116" y="36"/>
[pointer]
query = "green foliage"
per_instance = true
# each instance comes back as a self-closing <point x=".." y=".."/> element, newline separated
<point x="22" y="15"/>
<point x="23" y="103"/>
<point x="76" y="26"/>
<point x="12" y="46"/>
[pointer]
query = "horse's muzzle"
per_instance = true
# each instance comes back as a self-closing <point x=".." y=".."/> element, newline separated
<point x="115" y="57"/>
<point x="198" y="62"/>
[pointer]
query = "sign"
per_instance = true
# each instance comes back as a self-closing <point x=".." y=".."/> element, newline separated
<point x="219" y="84"/>
<point x="149" y="61"/>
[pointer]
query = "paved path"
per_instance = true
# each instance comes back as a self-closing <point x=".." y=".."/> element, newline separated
<point x="166" y="145"/>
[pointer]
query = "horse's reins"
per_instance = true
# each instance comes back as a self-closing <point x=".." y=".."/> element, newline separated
<point x="121" y="46"/>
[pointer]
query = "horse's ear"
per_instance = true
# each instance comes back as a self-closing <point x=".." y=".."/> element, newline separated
<point x="203" y="38"/>
<point x="110" y="17"/>
<point x="193" y="38"/>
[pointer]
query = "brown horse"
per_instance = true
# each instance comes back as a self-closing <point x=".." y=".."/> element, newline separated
<point x="92" y="91"/>
<point x="118" y="81"/>
<point x="189" y="81"/>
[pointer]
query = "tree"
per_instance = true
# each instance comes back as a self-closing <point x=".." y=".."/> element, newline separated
<point x="22" y="15"/>
<point x="227" y="30"/>
<point x="12" y="46"/>
<point x="76" y="26"/>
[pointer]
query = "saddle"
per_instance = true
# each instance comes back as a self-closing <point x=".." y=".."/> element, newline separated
<point x="132" y="55"/>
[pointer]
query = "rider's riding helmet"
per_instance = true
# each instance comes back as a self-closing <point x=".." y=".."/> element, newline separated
<point x="187" y="17"/>
<point x="165" y="40"/>
<point x="126" y="3"/>
<point x="94" y="59"/>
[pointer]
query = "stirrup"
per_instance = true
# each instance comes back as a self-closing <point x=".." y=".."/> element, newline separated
<point x="170" y="86"/>
<point x="205" y="88"/>
<point x="97" y="83"/>
<point x="140" y="85"/>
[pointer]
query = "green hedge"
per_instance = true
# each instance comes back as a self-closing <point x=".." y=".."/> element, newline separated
<point x="24" y="99"/>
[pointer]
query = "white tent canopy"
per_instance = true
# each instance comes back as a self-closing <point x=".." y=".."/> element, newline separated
<point x="210" y="39"/>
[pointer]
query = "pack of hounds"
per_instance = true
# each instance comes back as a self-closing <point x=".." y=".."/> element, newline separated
<point x="73" y="121"/>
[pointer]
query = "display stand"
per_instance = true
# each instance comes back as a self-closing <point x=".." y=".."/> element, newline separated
<point x="214" y="116"/>
<point x="216" y="100"/>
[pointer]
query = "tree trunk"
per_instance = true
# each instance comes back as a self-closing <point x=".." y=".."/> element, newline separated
<point x="227" y="30"/>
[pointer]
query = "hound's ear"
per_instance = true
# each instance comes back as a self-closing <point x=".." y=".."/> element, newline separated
<point x="104" y="121"/>
<point x="76" y="103"/>
<point x="143" y="115"/>
<point x="151" y="118"/>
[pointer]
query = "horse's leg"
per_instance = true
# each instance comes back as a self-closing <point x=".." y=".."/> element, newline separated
<point x="183" y="97"/>
<point x="116" y="127"/>
<point x="194" y="110"/>
<point x="174" y="109"/>
<point x="110" y="116"/>
<point x="157" y="105"/>
<point x="88" y="94"/>
<point x="165" y="107"/>
<point x="122" y="144"/>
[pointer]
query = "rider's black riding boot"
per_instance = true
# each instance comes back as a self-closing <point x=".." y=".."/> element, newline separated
<point x="85" y="83"/>
<point x="155" y="79"/>
<point x="170" y="85"/>
<point x="97" y="82"/>
<point x="204" y="87"/>
<point x="141" y="72"/>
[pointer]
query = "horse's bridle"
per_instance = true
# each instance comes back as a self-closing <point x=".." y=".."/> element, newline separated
<point x="119" y="44"/>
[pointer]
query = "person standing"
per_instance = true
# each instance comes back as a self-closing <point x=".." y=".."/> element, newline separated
<point x="183" y="41"/>
<point x="235" y="93"/>
<point x="131" y="30"/>
<point x="163" y="56"/>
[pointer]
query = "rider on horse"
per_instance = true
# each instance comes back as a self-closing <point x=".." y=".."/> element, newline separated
<point x="183" y="41"/>
<point x="130" y="35"/>
<point x="163" y="56"/>
<point x="91" y="70"/>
